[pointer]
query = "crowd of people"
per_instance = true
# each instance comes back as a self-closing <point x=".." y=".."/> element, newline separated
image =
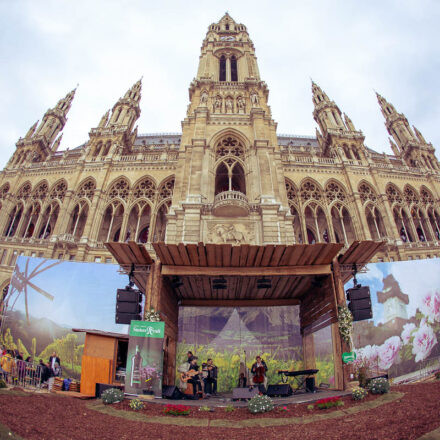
<point x="18" y="371"/>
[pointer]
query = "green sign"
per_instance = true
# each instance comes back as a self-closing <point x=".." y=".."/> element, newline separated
<point x="147" y="329"/>
<point x="348" y="357"/>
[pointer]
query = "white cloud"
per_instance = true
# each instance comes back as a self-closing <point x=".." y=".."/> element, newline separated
<point x="48" y="47"/>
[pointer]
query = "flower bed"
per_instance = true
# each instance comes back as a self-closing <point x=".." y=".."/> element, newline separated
<point x="177" y="410"/>
<point x="329" y="402"/>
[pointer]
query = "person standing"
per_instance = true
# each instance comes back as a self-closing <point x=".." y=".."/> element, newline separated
<point x="211" y="379"/>
<point x="258" y="370"/>
<point x="54" y="359"/>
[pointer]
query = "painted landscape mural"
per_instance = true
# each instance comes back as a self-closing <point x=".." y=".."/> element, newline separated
<point x="48" y="298"/>
<point x="403" y="336"/>
<point x="233" y="335"/>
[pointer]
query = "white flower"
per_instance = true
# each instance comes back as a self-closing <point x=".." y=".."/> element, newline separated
<point x="406" y="332"/>
<point x="424" y="341"/>
<point x="430" y="306"/>
<point x="388" y="352"/>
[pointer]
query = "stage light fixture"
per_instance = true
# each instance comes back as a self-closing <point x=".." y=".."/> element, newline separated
<point x="264" y="283"/>
<point x="176" y="282"/>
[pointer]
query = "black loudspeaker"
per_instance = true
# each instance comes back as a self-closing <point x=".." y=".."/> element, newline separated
<point x="101" y="387"/>
<point x="310" y="385"/>
<point x="283" y="390"/>
<point x="171" y="392"/>
<point x="244" y="393"/>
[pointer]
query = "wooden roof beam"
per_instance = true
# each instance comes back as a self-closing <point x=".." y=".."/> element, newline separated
<point x="323" y="269"/>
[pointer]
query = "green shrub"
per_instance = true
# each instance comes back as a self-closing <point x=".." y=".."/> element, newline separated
<point x="311" y="407"/>
<point x="2" y="383"/>
<point x="260" y="404"/>
<point x="359" y="393"/>
<point x="205" y="408"/>
<point x="379" y="386"/>
<point x="437" y="375"/>
<point x="230" y="408"/>
<point x="112" y="395"/>
<point x="136" y="404"/>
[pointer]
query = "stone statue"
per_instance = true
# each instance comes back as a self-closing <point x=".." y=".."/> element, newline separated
<point x="255" y="100"/>
<point x="241" y="105"/>
<point x="204" y="98"/>
<point x="218" y="104"/>
<point x="228" y="234"/>
<point x="229" y="105"/>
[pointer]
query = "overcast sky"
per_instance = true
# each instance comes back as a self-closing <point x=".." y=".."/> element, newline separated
<point x="348" y="47"/>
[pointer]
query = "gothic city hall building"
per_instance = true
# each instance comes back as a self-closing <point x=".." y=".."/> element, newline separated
<point x="228" y="177"/>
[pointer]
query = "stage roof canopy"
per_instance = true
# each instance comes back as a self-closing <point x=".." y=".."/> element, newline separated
<point x="293" y="270"/>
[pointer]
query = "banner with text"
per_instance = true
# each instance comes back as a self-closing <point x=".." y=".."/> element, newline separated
<point x="145" y="358"/>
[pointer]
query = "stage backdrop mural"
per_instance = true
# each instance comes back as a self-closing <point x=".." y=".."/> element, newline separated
<point x="403" y="336"/>
<point x="50" y="297"/>
<point x="231" y="336"/>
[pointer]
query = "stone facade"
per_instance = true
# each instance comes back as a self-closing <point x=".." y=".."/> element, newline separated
<point x="227" y="178"/>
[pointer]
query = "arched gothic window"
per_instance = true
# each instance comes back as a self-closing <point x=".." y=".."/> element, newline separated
<point x="40" y="192"/>
<point x="222" y="72"/>
<point x="334" y="191"/>
<point x="78" y="219"/>
<point x="166" y="189"/>
<point x="234" y="71"/>
<point x="310" y="191"/>
<point x="229" y="146"/>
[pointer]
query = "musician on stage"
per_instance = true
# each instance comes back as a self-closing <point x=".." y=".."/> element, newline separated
<point x="258" y="370"/>
<point x="195" y="379"/>
<point x="211" y="378"/>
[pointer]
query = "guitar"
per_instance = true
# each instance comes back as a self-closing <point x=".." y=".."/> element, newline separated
<point x="184" y="377"/>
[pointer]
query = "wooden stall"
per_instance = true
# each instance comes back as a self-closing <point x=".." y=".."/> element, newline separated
<point x="103" y="353"/>
<point x="308" y="275"/>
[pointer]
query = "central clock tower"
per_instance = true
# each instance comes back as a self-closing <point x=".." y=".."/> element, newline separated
<point x="229" y="181"/>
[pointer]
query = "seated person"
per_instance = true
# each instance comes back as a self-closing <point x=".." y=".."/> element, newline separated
<point x="242" y="381"/>
<point x="195" y="379"/>
<point x="211" y="378"/>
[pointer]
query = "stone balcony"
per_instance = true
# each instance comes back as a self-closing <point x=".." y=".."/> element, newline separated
<point x="230" y="204"/>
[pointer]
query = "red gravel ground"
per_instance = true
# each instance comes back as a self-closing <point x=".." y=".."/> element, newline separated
<point x="56" y="417"/>
<point x="293" y="410"/>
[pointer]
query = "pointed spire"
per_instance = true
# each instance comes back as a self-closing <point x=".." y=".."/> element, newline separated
<point x="318" y="94"/>
<point x="394" y="147"/>
<point x="31" y="131"/>
<point x="349" y="123"/>
<point x="65" y="103"/>
<point x="56" y="144"/>
<point x="419" y="135"/>
<point x="104" y="120"/>
<point x="135" y="91"/>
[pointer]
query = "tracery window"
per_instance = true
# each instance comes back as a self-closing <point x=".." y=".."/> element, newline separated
<point x="87" y="189"/>
<point x="59" y="191"/>
<point x="166" y="189"/>
<point x="410" y="195"/>
<point x="40" y="192"/>
<point x="310" y="191"/>
<point x="366" y="192"/>
<point x="24" y="192"/>
<point x="145" y="189"/>
<point x="291" y="191"/>
<point x="4" y="191"/>
<point x="334" y="192"/>
<point x="120" y="189"/>
<point x="426" y="197"/>
<point x="229" y="146"/>
<point x="393" y="194"/>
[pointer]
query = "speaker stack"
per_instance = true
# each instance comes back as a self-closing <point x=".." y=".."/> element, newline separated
<point x="280" y="390"/>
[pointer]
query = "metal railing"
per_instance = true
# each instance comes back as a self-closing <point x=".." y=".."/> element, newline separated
<point x="16" y="372"/>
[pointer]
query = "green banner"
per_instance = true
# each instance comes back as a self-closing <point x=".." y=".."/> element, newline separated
<point x="147" y="329"/>
<point x="348" y="357"/>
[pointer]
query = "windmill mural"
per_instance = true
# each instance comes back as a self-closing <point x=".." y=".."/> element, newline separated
<point x="21" y="282"/>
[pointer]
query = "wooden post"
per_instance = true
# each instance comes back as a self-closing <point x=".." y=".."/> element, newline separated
<point x="309" y="352"/>
<point x="339" y="345"/>
<point x="160" y="296"/>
